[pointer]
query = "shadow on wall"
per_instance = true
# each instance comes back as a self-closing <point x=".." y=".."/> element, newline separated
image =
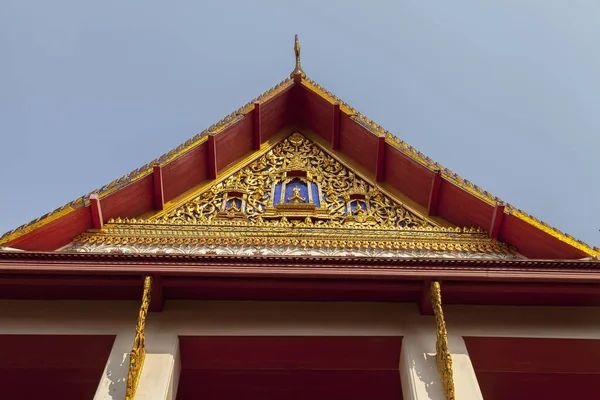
<point x="117" y="376"/>
<point x="425" y="372"/>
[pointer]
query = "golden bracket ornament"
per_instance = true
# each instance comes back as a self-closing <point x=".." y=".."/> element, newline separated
<point x="443" y="357"/>
<point x="138" y="352"/>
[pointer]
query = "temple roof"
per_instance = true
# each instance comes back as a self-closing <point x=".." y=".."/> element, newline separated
<point x="299" y="105"/>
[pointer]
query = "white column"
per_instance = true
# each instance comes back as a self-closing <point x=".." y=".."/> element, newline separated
<point x="160" y="374"/>
<point x="113" y="383"/>
<point x="418" y="368"/>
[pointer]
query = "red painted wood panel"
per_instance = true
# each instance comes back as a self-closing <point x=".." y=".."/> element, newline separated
<point x="70" y="288"/>
<point x="185" y="172"/>
<point x="290" y="367"/>
<point x="57" y="233"/>
<point x="52" y="366"/>
<point x="543" y="355"/>
<point x="408" y="176"/>
<point x="290" y="352"/>
<point x="531" y="368"/>
<point x="462" y="208"/>
<point x="131" y="201"/>
<point x="534" y="243"/>
<point x="520" y="386"/>
<point x="278" y="113"/>
<point x="296" y="385"/>
<point x="235" y="142"/>
<point x="358" y="143"/>
<point x="288" y="290"/>
<point x="318" y="114"/>
<point x="515" y="293"/>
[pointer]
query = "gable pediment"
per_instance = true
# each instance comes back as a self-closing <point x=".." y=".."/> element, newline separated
<point x="296" y="198"/>
<point x="297" y="103"/>
<point x="295" y="182"/>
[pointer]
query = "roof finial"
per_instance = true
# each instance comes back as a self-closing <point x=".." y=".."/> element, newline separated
<point x="298" y="69"/>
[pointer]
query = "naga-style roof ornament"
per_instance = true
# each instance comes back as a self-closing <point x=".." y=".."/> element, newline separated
<point x="298" y="68"/>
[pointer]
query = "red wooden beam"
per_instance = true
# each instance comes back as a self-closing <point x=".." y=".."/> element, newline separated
<point x="497" y="219"/>
<point x="434" y="193"/>
<point x="212" y="157"/>
<point x="380" y="167"/>
<point x="97" y="221"/>
<point x="425" y="307"/>
<point x="335" y="138"/>
<point x="257" y="126"/>
<point x="159" y="195"/>
<point x="157" y="300"/>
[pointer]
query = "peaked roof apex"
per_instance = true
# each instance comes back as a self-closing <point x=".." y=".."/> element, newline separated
<point x="298" y="76"/>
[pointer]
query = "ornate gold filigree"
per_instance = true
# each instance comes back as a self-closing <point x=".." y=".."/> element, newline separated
<point x="443" y="357"/>
<point x="138" y="352"/>
<point x="319" y="186"/>
<point x="295" y="235"/>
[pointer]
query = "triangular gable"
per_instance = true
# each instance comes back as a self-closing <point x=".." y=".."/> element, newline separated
<point x="300" y="104"/>
<point x="295" y="198"/>
<point x="296" y="180"/>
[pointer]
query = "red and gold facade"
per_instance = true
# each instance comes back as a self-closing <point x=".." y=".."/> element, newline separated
<point x="296" y="249"/>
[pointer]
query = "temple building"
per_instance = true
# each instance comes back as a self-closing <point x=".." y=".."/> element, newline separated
<point x="296" y="250"/>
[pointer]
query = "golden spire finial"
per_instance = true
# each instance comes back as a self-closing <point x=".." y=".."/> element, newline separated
<point x="298" y="69"/>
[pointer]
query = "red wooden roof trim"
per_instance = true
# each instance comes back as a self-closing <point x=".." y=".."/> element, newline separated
<point x="96" y="210"/>
<point x="257" y="132"/>
<point x="147" y="169"/>
<point x="497" y="219"/>
<point x="380" y="163"/>
<point x="212" y="157"/>
<point x="159" y="194"/>
<point x="194" y="259"/>
<point x="434" y="193"/>
<point x="299" y="267"/>
<point x="335" y="135"/>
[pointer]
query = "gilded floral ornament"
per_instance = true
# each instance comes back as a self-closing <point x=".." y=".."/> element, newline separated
<point x="298" y="181"/>
<point x="443" y="357"/>
<point x="138" y="351"/>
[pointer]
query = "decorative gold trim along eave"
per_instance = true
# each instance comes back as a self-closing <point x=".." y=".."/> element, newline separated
<point x="138" y="351"/>
<point x="301" y="234"/>
<point x="443" y="357"/>
<point x="450" y="176"/>
<point x="146" y="169"/>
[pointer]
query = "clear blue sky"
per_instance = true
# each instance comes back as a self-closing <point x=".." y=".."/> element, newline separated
<point x="505" y="93"/>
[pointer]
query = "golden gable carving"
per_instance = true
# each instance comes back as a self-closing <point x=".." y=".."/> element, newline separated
<point x="295" y="199"/>
<point x="296" y="180"/>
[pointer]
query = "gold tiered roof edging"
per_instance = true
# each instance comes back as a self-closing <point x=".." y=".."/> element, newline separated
<point x="289" y="237"/>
